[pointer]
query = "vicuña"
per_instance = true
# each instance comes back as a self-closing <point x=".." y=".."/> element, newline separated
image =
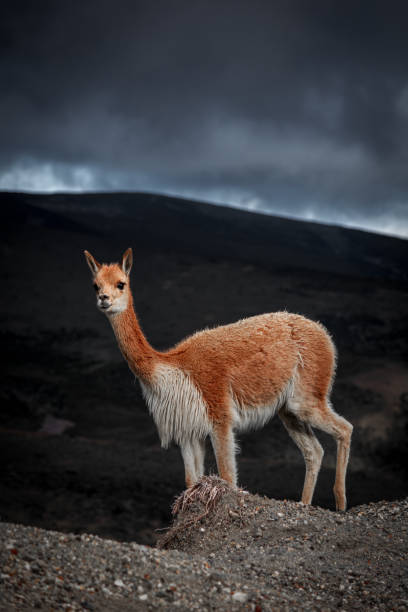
<point x="231" y="378"/>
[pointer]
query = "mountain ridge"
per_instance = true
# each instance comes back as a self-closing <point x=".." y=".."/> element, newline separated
<point x="179" y="224"/>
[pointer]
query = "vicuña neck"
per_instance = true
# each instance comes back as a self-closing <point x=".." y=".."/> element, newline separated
<point x="135" y="348"/>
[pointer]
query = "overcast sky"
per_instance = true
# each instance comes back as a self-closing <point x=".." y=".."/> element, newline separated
<point x="295" y="108"/>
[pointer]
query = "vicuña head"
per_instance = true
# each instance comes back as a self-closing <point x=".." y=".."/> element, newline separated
<point x="111" y="283"/>
<point x="231" y="378"/>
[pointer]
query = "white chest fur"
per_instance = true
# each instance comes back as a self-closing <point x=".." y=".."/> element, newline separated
<point x="176" y="405"/>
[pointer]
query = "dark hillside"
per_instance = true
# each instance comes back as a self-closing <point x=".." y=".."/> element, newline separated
<point x="163" y="223"/>
<point x="78" y="449"/>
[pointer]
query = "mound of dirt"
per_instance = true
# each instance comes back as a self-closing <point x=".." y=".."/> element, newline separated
<point x="230" y="551"/>
<point x="282" y="553"/>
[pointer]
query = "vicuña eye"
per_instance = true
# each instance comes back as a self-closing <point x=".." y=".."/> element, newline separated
<point x="96" y="287"/>
<point x="120" y="286"/>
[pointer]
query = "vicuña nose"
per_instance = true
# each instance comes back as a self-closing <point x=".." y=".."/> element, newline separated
<point x="104" y="296"/>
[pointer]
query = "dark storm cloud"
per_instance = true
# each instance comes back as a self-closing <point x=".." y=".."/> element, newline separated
<point x="300" y="108"/>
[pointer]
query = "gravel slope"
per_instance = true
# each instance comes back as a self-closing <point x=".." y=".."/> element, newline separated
<point x="247" y="553"/>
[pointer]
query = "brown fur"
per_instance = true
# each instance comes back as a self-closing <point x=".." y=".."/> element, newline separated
<point x="280" y="359"/>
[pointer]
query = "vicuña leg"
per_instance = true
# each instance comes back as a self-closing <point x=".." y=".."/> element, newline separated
<point x="303" y="436"/>
<point x="188" y="454"/>
<point x="193" y="452"/>
<point x="326" y="419"/>
<point x="223" y="442"/>
<point x="199" y="456"/>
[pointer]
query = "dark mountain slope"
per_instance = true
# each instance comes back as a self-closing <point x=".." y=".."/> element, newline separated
<point x="163" y="223"/>
<point x="78" y="448"/>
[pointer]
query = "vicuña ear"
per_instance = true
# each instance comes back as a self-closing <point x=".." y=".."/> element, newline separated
<point x="127" y="261"/>
<point x="92" y="263"/>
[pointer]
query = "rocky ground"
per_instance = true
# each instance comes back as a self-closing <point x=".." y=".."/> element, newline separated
<point x="244" y="553"/>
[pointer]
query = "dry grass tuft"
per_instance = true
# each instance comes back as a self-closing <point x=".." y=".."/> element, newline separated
<point x="207" y="491"/>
